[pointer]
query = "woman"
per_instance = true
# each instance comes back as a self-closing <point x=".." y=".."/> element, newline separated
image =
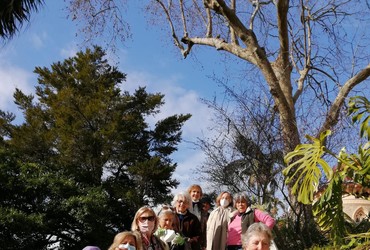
<point x="189" y="225"/>
<point x="257" y="237"/>
<point x="218" y="221"/>
<point x="166" y="218"/>
<point x="145" y="223"/>
<point x="166" y="225"/>
<point x="242" y="218"/>
<point x="126" y="241"/>
<point x="196" y="193"/>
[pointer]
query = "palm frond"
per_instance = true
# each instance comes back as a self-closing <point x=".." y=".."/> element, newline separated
<point x="14" y="13"/>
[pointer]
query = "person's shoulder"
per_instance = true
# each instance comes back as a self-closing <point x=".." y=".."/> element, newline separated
<point x="259" y="211"/>
<point x="191" y="215"/>
<point x="214" y="211"/>
<point x="250" y="210"/>
<point x="231" y="209"/>
<point x="232" y="212"/>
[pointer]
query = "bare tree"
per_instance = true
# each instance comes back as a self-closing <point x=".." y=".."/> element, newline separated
<point x="103" y="19"/>
<point x="311" y="55"/>
<point x="245" y="154"/>
<point x="298" y="48"/>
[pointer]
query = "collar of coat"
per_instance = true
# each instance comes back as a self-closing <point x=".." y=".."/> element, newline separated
<point x="233" y="214"/>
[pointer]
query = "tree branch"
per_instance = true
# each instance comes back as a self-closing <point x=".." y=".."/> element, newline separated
<point x="233" y="36"/>
<point x="307" y="54"/>
<point x="183" y="18"/>
<point x="174" y="36"/>
<point x="221" y="44"/>
<point x="332" y="117"/>
<point x="209" y="23"/>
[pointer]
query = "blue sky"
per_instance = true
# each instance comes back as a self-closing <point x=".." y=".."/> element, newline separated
<point x="148" y="58"/>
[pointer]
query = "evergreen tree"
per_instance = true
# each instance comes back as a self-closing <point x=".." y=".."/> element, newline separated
<point x="85" y="157"/>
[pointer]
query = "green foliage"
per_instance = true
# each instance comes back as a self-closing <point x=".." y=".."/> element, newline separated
<point x="358" y="235"/>
<point x="288" y="237"/>
<point x="359" y="108"/>
<point x="328" y="210"/>
<point x="85" y="158"/>
<point x="306" y="166"/>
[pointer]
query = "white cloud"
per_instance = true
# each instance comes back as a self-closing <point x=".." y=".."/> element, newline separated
<point x="12" y="77"/>
<point x="38" y="40"/>
<point x="69" y="51"/>
<point x="178" y="101"/>
<point x="187" y="161"/>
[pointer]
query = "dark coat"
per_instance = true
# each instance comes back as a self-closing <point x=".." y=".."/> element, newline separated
<point x="190" y="227"/>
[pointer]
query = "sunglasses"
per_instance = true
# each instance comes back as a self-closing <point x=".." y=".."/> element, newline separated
<point x="144" y="218"/>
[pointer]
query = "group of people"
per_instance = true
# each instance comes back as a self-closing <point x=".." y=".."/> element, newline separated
<point x="187" y="224"/>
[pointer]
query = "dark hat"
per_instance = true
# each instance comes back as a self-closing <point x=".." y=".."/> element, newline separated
<point x="206" y="199"/>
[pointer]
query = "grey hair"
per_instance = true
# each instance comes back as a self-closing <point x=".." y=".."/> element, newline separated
<point x="256" y="228"/>
<point x="182" y="195"/>
<point x="240" y="197"/>
<point x="165" y="210"/>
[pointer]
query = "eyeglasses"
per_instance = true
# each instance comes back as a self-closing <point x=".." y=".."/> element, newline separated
<point x="180" y="201"/>
<point x="145" y="218"/>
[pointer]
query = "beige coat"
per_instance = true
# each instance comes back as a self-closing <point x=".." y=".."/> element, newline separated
<point x="217" y="228"/>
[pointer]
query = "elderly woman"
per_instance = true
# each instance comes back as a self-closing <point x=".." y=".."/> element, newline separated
<point x="126" y="241"/>
<point x="145" y="223"/>
<point x="257" y="237"/>
<point x="218" y="221"/>
<point x="167" y="225"/>
<point x="188" y="224"/>
<point x="243" y="217"/>
<point x="166" y="218"/>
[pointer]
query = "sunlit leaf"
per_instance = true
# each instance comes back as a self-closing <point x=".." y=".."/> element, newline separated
<point x="305" y="166"/>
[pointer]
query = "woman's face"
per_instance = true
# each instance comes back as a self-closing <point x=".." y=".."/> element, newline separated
<point x="195" y="194"/>
<point x="127" y="243"/>
<point x="225" y="200"/>
<point x="166" y="221"/>
<point x="241" y="205"/>
<point x="181" y="205"/>
<point x="258" y="241"/>
<point x="146" y="222"/>
<point x="226" y="196"/>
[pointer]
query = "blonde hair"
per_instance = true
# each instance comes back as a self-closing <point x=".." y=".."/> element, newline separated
<point x="218" y="199"/>
<point x="135" y="225"/>
<point x="197" y="187"/>
<point x="118" y="239"/>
